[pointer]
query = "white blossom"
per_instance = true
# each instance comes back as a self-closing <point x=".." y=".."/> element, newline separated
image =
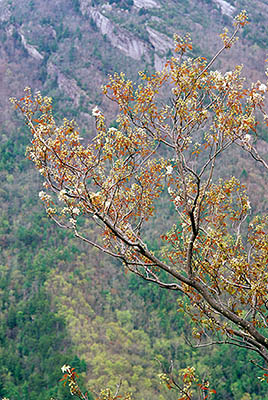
<point x="170" y="191"/>
<point x="62" y="194"/>
<point x="51" y="210"/>
<point x="262" y="87"/>
<point x="169" y="169"/>
<point x="42" y="195"/>
<point x="76" y="211"/>
<point x="247" y="138"/>
<point x="65" y="368"/>
<point x="108" y="140"/>
<point x="216" y="75"/>
<point x="73" y="221"/>
<point x="135" y="187"/>
<point x="256" y="97"/>
<point x="95" y="111"/>
<point x="112" y="129"/>
<point x="228" y="74"/>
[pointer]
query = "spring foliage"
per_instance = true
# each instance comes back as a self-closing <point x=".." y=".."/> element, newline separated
<point x="168" y="151"/>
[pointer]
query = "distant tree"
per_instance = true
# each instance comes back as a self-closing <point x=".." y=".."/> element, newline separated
<point x="214" y="252"/>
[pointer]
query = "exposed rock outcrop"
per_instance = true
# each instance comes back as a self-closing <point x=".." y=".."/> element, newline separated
<point x="146" y="4"/>
<point x="162" y="43"/>
<point x="67" y="85"/>
<point x="31" y="50"/>
<point x="226" y="8"/>
<point x="159" y="62"/>
<point x="119" y="37"/>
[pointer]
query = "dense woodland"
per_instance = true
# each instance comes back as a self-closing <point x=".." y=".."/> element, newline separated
<point x="63" y="302"/>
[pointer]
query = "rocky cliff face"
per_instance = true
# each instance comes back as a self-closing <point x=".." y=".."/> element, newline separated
<point x="67" y="85"/>
<point x="146" y="4"/>
<point x="158" y="43"/>
<point x="67" y="47"/>
<point x="120" y="38"/>
<point x="226" y="8"/>
<point x="31" y="50"/>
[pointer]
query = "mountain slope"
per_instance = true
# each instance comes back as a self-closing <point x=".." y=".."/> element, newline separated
<point x="56" y="298"/>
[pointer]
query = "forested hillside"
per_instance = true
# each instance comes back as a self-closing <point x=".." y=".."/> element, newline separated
<point x="63" y="302"/>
